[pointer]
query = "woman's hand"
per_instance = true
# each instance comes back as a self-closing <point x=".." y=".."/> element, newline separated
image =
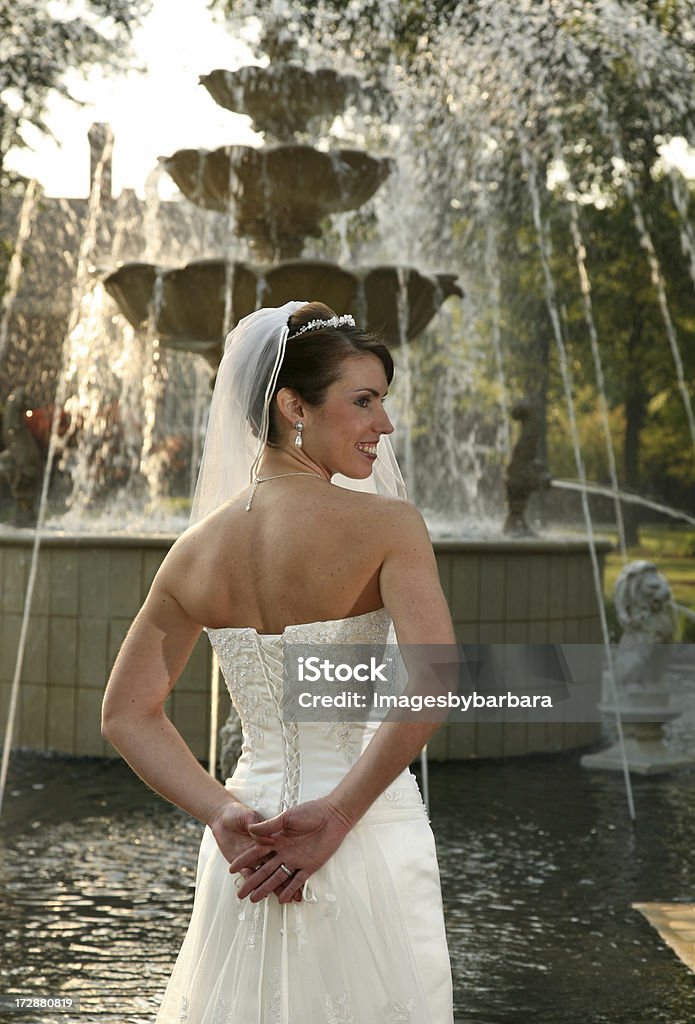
<point x="229" y="825"/>
<point x="302" y="838"/>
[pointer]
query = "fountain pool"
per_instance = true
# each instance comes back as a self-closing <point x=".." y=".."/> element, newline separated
<point x="97" y="875"/>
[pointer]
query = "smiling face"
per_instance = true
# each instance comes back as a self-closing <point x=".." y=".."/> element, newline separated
<point x="342" y="433"/>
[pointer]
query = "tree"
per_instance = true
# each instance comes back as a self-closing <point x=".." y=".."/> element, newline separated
<point x="638" y="362"/>
<point x="38" y="45"/>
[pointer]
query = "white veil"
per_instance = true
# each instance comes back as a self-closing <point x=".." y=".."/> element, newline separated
<point x="246" y="378"/>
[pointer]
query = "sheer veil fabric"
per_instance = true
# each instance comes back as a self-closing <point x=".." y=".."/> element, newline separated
<point x="252" y="358"/>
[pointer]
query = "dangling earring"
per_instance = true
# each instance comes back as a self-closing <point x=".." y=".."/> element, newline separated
<point x="299" y="427"/>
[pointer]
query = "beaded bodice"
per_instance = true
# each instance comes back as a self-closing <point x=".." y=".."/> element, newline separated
<point x="283" y="762"/>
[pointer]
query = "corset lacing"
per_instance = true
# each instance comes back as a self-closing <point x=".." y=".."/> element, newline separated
<point x="272" y="665"/>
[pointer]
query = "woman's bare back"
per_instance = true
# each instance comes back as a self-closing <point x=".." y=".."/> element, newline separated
<point x="306" y="551"/>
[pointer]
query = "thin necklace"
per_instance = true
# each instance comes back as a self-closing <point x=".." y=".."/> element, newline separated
<point x="264" y="479"/>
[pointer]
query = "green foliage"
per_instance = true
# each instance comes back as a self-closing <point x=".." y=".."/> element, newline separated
<point x="638" y="364"/>
<point x="561" y="459"/>
<point x="687" y="635"/>
<point x="666" y="446"/>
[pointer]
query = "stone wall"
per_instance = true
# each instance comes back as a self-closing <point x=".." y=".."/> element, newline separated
<point x="519" y="591"/>
<point x="89" y="589"/>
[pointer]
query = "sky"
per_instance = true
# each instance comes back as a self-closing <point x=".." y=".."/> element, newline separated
<point x="151" y="114"/>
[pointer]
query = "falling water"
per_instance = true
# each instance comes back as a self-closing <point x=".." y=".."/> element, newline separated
<point x="585" y="284"/>
<point x="201" y="403"/>
<point x="101" y="446"/>
<point x="341" y="224"/>
<point x="489" y="71"/>
<point x="123" y="227"/>
<point x="492" y="271"/>
<point x="135" y="408"/>
<point x="648" y="65"/>
<point x="611" y="133"/>
<point x="79" y="291"/>
<point x="269" y="245"/>
<point x="657" y="277"/>
<point x="228" y="315"/>
<point x="228" y="263"/>
<point x="14" y="273"/>
<point x="681" y="199"/>
<point x="153" y="452"/>
<point x="453" y="443"/>
<point x="545" y="256"/>
<point x="261" y="289"/>
<point x="406" y="381"/>
<point x="155" y="244"/>
<point x="626" y="496"/>
<point x="445" y="204"/>
<point x="199" y="193"/>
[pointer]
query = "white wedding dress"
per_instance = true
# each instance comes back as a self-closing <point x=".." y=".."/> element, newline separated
<point x="367" y="944"/>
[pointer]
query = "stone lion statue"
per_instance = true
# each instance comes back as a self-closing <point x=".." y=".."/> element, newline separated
<point x="643" y="602"/>
<point x="643" y="599"/>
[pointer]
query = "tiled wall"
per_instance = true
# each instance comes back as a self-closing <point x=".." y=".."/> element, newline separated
<point x="88" y="592"/>
<point x="84" y="601"/>
<point x="518" y="592"/>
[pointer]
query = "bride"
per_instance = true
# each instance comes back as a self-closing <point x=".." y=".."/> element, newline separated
<point x="317" y="891"/>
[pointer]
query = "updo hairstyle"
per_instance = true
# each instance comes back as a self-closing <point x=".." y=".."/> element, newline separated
<point x="313" y="361"/>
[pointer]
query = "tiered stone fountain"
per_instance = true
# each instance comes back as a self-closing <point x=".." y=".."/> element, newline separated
<point x="502" y="591"/>
<point x="279" y="195"/>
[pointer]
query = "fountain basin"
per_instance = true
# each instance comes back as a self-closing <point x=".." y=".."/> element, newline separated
<point x="191" y="313"/>
<point x="279" y="193"/>
<point x="90" y="587"/>
<point x="282" y="99"/>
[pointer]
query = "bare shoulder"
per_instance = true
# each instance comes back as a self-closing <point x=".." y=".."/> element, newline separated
<point x="398" y="519"/>
<point x="182" y="565"/>
<point x="409" y="581"/>
<point x="405" y="519"/>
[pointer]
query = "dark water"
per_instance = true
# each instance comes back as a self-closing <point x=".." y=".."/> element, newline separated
<point x="539" y="869"/>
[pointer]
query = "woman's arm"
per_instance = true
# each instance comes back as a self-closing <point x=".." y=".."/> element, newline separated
<point x="411" y="592"/>
<point x="304" y="837"/>
<point x="150" y="661"/>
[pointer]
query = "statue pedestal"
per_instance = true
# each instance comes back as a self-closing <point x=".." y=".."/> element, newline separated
<point x="645" y="747"/>
<point x="643" y="758"/>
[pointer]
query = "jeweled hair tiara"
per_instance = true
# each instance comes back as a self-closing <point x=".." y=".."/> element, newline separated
<point x="335" y="321"/>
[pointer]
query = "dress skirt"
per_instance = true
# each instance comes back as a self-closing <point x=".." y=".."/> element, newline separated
<point x="365" y="946"/>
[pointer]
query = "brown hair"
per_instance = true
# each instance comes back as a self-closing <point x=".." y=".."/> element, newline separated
<point x="313" y="360"/>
